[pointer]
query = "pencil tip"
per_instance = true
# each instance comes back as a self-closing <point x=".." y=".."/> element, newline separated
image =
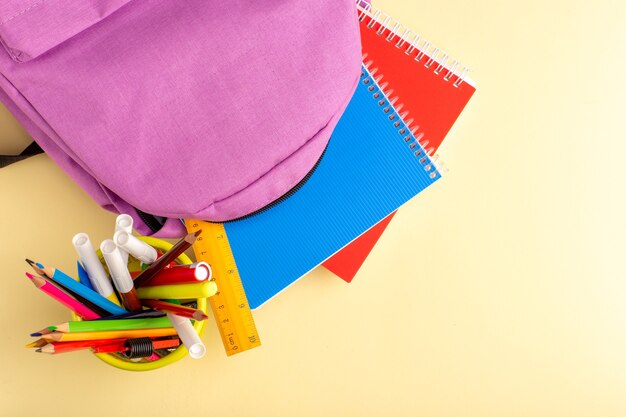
<point x="37" y="267"/>
<point x="199" y="315"/>
<point x="36" y="334"/>
<point x="38" y="350"/>
<point x="198" y="232"/>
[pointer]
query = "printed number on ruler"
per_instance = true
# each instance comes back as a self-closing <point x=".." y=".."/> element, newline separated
<point x="230" y="304"/>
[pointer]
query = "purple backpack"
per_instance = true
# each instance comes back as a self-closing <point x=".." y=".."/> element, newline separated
<point x="168" y="109"/>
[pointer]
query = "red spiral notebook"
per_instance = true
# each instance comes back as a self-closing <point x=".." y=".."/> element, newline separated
<point x="432" y="87"/>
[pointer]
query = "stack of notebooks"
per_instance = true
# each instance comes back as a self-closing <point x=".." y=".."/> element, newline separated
<point x="379" y="157"/>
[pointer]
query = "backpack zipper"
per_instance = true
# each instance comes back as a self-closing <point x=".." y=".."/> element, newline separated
<point x="282" y="198"/>
<point x="155" y="223"/>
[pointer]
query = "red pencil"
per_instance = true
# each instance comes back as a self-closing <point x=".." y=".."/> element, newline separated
<point x="62" y="347"/>
<point x="123" y="346"/>
<point x="113" y="347"/>
<point x="190" y="313"/>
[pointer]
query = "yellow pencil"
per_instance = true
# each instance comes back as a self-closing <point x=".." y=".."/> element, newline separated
<point x="37" y="343"/>
<point x="119" y="334"/>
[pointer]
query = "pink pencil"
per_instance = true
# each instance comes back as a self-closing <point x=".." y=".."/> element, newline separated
<point x="63" y="298"/>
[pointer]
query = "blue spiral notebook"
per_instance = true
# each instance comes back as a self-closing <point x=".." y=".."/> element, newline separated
<point x="372" y="165"/>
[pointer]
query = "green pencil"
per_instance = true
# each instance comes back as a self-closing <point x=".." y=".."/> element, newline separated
<point x="112" y="325"/>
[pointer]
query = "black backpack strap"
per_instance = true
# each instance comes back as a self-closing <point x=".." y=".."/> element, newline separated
<point x="32" y="149"/>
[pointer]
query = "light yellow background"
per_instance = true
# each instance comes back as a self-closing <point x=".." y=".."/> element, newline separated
<point x="498" y="292"/>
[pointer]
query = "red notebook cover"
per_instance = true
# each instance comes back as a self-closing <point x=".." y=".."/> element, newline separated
<point x="430" y="87"/>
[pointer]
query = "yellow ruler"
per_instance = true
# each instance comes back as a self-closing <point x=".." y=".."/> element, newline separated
<point x="230" y="304"/>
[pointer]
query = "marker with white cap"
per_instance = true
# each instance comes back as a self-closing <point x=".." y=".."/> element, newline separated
<point x="121" y="277"/>
<point x="188" y="335"/>
<point x="124" y="223"/>
<point x="137" y="248"/>
<point x="182" y="274"/>
<point x="97" y="275"/>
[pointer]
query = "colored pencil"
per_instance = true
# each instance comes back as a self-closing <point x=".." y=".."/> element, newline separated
<point x="182" y="274"/>
<point x="93" y="307"/>
<point x="37" y="343"/>
<point x="182" y="291"/>
<point x="169" y="256"/>
<point x="83" y="277"/>
<point x="41" y="332"/>
<point x="111" y="325"/>
<point x="68" y="282"/>
<point x="62" y="297"/>
<point x="191" y="313"/>
<point x="63" y="347"/>
<point x="135" y="315"/>
<point x="113" y="334"/>
<point x="165" y="343"/>
<point x="123" y="347"/>
<point x="131" y="300"/>
<point x="111" y="348"/>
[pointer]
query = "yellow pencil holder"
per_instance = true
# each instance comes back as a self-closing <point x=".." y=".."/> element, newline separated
<point x="143" y="365"/>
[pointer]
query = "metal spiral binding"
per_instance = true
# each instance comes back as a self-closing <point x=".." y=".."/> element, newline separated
<point x="395" y="30"/>
<point x="383" y="97"/>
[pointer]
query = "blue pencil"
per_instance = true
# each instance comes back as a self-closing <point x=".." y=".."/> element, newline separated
<point x="83" y="277"/>
<point x="78" y="288"/>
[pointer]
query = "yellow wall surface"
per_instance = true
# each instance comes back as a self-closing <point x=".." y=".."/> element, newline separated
<point x="501" y="291"/>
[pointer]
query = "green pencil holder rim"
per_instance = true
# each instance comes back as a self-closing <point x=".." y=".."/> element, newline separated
<point x="126" y="364"/>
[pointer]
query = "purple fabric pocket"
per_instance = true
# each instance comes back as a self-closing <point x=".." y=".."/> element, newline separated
<point x="28" y="29"/>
